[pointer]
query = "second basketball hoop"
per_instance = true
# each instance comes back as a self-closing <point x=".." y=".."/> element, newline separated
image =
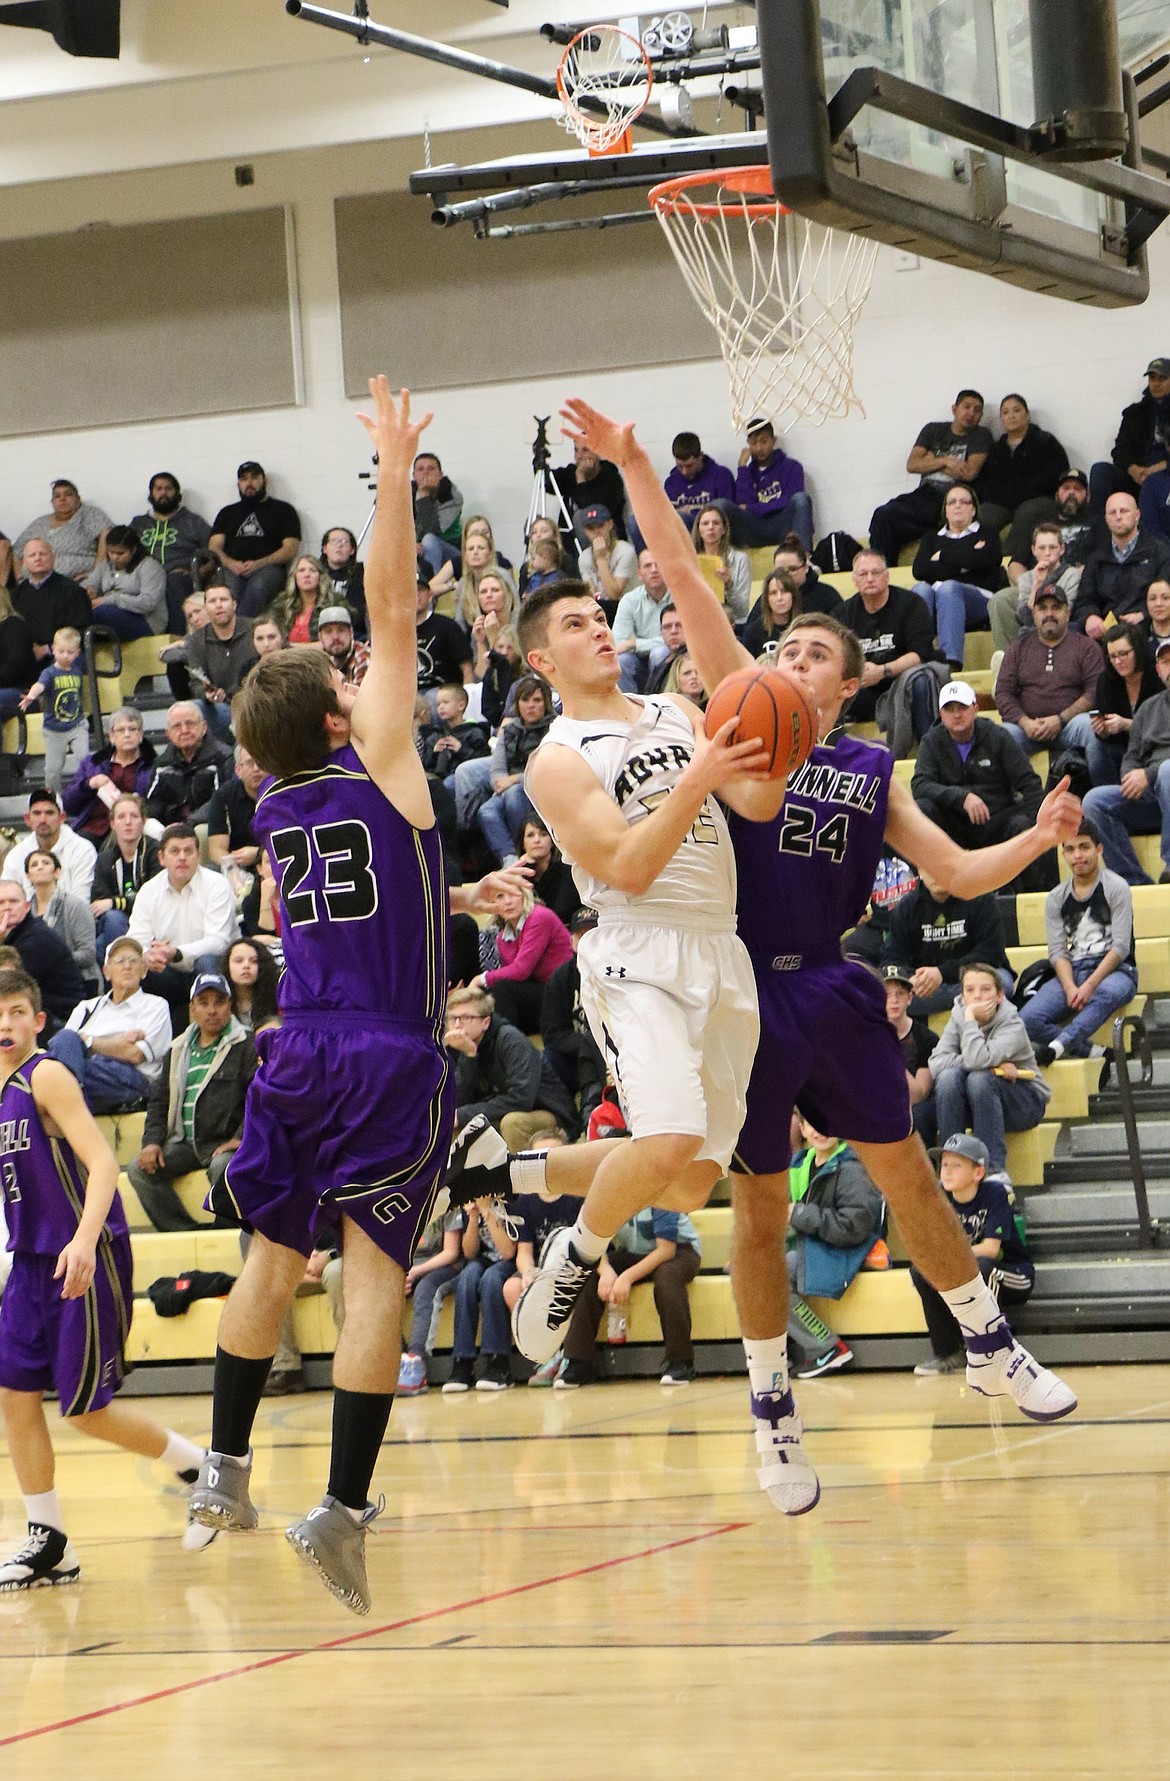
<point x="604" y="81"/>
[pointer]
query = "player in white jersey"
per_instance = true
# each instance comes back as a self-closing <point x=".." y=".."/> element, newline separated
<point x="625" y="786"/>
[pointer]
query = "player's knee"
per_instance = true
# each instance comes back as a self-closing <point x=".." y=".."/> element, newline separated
<point x="760" y="1205"/>
<point x="663" y="1158"/>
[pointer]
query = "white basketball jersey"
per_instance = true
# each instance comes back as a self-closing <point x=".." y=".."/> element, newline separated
<point x="638" y="764"/>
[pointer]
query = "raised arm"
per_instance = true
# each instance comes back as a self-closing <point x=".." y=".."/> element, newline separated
<point x="967" y="875"/>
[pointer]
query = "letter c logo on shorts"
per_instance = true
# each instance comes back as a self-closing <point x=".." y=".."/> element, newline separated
<point x="386" y="1210"/>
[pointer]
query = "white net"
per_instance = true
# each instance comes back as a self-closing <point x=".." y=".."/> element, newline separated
<point x="609" y="65"/>
<point x="782" y="293"/>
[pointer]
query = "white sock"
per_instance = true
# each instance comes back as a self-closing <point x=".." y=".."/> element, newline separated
<point x="973" y="1307"/>
<point x="1057" y="1048"/>
<point x="179" y="1454"/>
<point x="528" y="1171"/>
<point x="589" y="1246"/>
<point x="45" y="1509"/>
<point x="768" y="1365"/>
<point x="356" y="1515"/>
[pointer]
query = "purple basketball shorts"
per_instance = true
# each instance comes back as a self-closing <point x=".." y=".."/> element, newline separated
<point x="75" y="1347"/>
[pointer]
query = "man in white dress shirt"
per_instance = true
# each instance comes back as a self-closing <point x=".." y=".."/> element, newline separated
<point x="116" y="1044"/>
<point x="184" y="919"/>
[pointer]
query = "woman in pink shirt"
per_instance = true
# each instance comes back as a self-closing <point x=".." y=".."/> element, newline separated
<point x="531" y="942"/>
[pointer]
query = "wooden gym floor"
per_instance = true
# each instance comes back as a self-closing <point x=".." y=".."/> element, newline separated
<point x="578" y="1586"/>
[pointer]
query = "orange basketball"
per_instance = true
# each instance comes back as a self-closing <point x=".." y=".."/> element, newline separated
<point x="771" y="706"/>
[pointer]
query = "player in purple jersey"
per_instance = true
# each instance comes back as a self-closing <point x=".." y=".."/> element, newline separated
<point x="65" y="1314"/>
<point x="825" y="1044"/>
<point x="350" y="1113"/>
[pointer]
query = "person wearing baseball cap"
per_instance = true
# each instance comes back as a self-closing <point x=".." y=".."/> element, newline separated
<point x="975" y="781"/>
<point x="917" y="1042"/>
<point x="195" y="1113"/>
<point x="1069" y="511"/>
<point x="336" y="638"/>
<point x="608" y="565"/>
<point x="986" y="1212"/>
<point x="255" y="539"/>
<point x="115" y="1043"/>
<point x="1140" y="805"/>
<point x="771" y="499"/>
<point x="1142" y="447"/>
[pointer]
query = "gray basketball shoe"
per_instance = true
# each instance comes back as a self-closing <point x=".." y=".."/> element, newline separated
<point x="220" y="1498"/>
<point x="334" y="1544"/>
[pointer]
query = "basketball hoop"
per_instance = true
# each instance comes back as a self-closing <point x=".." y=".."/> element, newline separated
<point x="782" y="293"/>
<point x="607" y="64"/>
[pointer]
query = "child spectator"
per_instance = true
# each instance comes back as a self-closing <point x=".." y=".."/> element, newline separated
<point x="655" y="1245"/>
<point x="543" y="531"/>
<point x="836" y="1215"/>
<point x="984" y="1207"/>
<point x="508" y="806"/>
<point x="450" y="739"/>
<point x="932" y="935"/>
<point x="917" y="1042"/>
<point x="489" y="1259"/>
<point x="431" y="1276"/>
<point x="1089" y="927"/>
<point x="59" y="685"/>
<point x="532" y="941"/>
<point x="984" y="1068"/>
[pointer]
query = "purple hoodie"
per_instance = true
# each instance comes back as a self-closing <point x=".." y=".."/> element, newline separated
<point x="769" y="489"/>
<point x="713" y="483"/>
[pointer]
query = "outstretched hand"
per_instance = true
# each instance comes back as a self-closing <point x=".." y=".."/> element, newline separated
<point x="1060" y="816"/>
<point x="587" y="426"/>
<point x="393" y="434"/>
<point x="719" y="759"/>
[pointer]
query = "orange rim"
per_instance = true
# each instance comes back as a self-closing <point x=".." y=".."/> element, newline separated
<point x="568" y="98"/>
<point x="674" y="194"/>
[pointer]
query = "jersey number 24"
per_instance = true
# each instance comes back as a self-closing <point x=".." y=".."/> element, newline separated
<point x="349" y="890"/>
<point x="799" y="833"/>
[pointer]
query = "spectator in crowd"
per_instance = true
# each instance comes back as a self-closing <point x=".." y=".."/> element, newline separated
<point x="75" y="529"/>
<point x="195" y="1114"/>
<point x="1048" y="680"/>
<point x="672" y="643"/>
<point x="836" y="1216"/>
<point x="438" y="508"/>
<point x="945" y="452"/>
<point x="778" y="605"/>
<point x="917" y="1042"/>
<point x="336" y="638"/>
<point x="732" y="568"/>
<point x="500" y="1073"/>
<point x="685" y="678"/>
<point x="894" y="879"/>
<point x="696" y="480"/>
<point x="43" y="954"/>
<point x="253" y="980"/>
<point x="1118" y="572"/>
<point x="267" y="636"/>
<point x="984" y="1068"/>
<point x="128" y="588"/>
<point x="1141" y="450"/>
<point x="656" y="1245"/>
<point x="896" y="635"/>
<point x="531" y="942"/>
<point x="816" y="594"/>
<point x="68" y="915"/>
<point x="219" y="655"/>
<point x="569" y="1045"/>
<point x="174" y="655"/>
<point x="589" y="481"/>
<point x="608" y="565"/>
<point x="1012" y="608"/>
<point x="1069" y="511"/>
<point x="508" y="807"/>
<point x="545" y="558"/>
<point x="46" y="823"/>
<point x="307" y="593"/>
<point x="477" y="554"/>
<point x="47" y="600"/>
<point x="932" y="937"/>
<point x="339" y="560"/>
<point x="956" y="571"/>
<point x="489" y="1258"/>
<point x="1127" y="680"/>
<point x="985" y="1210"/>
<point x="972" y="779"/>
<point x="637" y="629"/>
<point x="260" y="910"/>
<point x="255" y="540"/>
<point x="125" y="763"/>
<point x="451" y="738"/>
<point x="115" y="1044"/>
<point x="771" y="499"/>
<point x="127" y="859"/>
<point x="1157" y="625"/>
<point x="552" y="881"/>
<point x="18" y="664"/>
<point x="1088" y="922"/>
<point x="430" y="1278"/>
<point x="184" y="917"/>
<point x="174" y="535"/>
<point x="1140" y="804"/>
<point x="490" y="605"/>
<point x="57" y="690"/>
<point x="444" y="648"/>
<point x="1023" y="470"/>
<point x="231" y="841"/>
<point x="501" y="671"/>
<point x="536" y="1219"/>
<point x="188" y="770"/>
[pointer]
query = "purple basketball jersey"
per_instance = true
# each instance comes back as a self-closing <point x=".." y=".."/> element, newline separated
<point x="363" y="897"/>
<point x="42" y="1180"/>
<point x="806" y="877"/>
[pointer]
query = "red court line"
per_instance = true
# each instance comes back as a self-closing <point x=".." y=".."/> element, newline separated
<point x="374" y="1632"/>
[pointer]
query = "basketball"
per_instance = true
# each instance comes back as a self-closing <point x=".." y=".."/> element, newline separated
<point x="771" y="706"/>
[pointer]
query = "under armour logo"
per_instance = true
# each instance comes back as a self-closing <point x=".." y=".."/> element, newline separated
<point x="615" y="970"/>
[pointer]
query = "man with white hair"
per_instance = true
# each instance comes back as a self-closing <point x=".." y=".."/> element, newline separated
<point x="189" y="769"/>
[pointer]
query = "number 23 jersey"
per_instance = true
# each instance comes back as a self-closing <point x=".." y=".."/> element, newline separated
<point x="363" y="897"/>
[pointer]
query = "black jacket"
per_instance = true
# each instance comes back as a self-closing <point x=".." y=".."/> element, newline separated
<point x="996" y="769"/>
<point x="974" y="558"/>
<point x="1033" y="469"/>
<point x="219" y="1105"/>
<point x="46" y="957"/>
<point x="1108" y="586"/>
<point x="508" y="1075"/>
<point x="473" y="746"/>
<point x="565" y="1030"/>
<point x="497" y="684"/>
<point x="18" y="665"/>
<point x="59" y="601"/>
<point x="1143" y="436"/>
<point x="181" y="789"/>
<point x="557" y="891"/>
<point x="948" y="935"/>
<point x="120" y="880"/>
<point x="1112" y="696"/>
